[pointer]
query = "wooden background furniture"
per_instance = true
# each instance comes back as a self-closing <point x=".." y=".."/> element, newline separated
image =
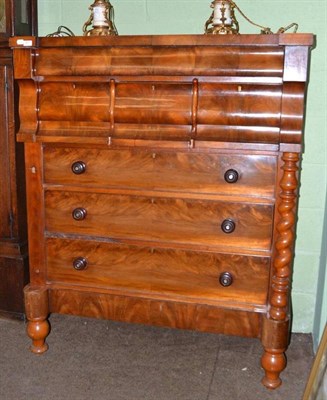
<point x="162" y="177"/>
<point x="13" y="231"/>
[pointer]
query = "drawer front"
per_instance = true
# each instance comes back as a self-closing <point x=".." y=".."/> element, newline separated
<point x="159" y="103"/>
<point x="161" y="271"/>
<point x="145" y="109"/>
<point x="134" y="102"/>
<point x="169" y="220"/>
<point x="149" y="58"/>
<point x="240" y="105"/>
<point x="254" y="175"/>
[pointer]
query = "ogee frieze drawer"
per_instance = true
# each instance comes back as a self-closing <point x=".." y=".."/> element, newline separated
<point x="160" y="103"/>
<point x="163" y="219"/>
<point x="252" y="175"/>
<point x="156" y="110"/>
<point x="203" y="276"/>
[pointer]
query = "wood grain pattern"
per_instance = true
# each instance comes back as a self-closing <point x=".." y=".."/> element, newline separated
<point x="292" y="118"/>
<point x="35" y="206"/>
<point x="153" y="90"/>
<point x="153" y="170"/>
<point x="161" y="272"/>
<point x="161" y="103"/>
<point x="160" y="219"/>
<point x="75" y="301"/>
<point x="242" y="104"/>
<point x="28" y="106"/>
<point x="157" y="105"/>
<point x="161" y="60"/>
<point x="155" y="123"/>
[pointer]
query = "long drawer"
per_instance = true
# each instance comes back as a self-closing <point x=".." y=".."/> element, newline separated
<point x="198" y="222"/>
<point x="142" y="110"/>
<point x="207" y="276"/>
<point x="252" y="175"/>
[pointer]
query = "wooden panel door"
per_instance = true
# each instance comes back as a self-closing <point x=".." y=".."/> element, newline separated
<point x="5" y="201"/>
<point x="13" y="242"/>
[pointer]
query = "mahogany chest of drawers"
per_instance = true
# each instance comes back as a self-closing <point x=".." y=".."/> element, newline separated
<point x="162" y="178"/>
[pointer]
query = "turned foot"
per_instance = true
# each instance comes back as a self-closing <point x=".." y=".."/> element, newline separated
<point x="273" y="362"/>
<point x="37" y="310"/>
<point x="38" y="331"/>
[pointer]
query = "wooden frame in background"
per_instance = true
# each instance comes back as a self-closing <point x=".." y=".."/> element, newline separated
<point x="18" y="17"/>
<point x="315" y="389"/>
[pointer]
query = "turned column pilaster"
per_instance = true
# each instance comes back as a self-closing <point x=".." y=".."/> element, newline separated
<point x="277" y="320"/>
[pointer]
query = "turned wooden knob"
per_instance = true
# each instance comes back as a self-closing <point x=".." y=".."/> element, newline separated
<point x="231" y="176"/>
<point x="78" y="167"/>
<point x="228" y="226"/>
<point x="226" y="279"/>
<point x="80" y="263"/>
<point x="79" y="214"/>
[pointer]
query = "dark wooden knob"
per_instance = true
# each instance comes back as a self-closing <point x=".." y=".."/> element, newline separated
<point x="80" y="263"/>
<point x="231" y="176"/>
<point x="228" y="226"/>
<point x="78" y="167"/>
<point x="226" y="279"/>
<point x="79" y="214"/>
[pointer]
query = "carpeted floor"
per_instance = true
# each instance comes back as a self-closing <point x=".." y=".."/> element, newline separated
<point x="101" y="360"/>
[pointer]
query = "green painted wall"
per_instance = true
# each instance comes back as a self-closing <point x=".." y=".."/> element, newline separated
<point x="184" y="16"/>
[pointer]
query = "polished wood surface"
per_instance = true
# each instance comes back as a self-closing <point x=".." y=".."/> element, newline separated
<point x="162" y="181"/>
<point x="207" y="111"/>
<point x="161" y="273"/>
<point x="188" y="222"/>
<point x="175" y="314"/>
<point x="176" y="171"/>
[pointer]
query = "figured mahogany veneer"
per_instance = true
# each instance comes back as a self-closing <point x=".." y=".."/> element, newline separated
<point x="163" y="272"/>
<point x="189" y="222"/>
<point x="162" y="178"/>
<point x="189" y="172"/>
